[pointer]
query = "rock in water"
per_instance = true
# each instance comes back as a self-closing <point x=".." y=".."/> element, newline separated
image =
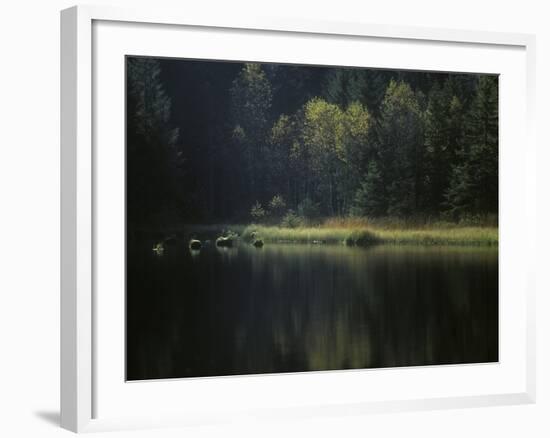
<point x="258" y="243"/>
<point x="158" y="248"/>
<point x="225" y="242"/>
<point x="195" y="244"/>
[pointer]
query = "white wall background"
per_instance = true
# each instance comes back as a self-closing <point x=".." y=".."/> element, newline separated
<point x="29" y="216"/>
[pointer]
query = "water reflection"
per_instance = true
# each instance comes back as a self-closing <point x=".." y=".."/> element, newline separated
<point x="308" y="307"/>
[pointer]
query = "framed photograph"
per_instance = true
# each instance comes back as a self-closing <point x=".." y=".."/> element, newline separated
<point x="283" y="218"/>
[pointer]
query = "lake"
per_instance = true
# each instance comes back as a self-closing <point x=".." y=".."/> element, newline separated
<point x="293" y="308"/>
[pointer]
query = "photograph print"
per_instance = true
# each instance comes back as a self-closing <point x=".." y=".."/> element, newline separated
<point x="287" y="218"/>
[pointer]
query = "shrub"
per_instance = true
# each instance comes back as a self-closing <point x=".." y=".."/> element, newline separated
<point x="277" y="206"/>
<point x="257" y="212"/>
<point x="291" y="220"/>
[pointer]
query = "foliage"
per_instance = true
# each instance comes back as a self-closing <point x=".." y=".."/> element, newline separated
<point x="345" y="86"/>
<point x="257" y="212"/>
<point x="327" y="142"/>
<point x="289" y="169"/>
<point x="291" y="220"/>
<point x="399" y="148"/>
<point x="370" y="197"/>
<point x="277" y="206"/>
<point x="251" y="98"/>
<point x="474" y="180"/>
<point x="336" y="140"/>
<point x="323" y="138"/>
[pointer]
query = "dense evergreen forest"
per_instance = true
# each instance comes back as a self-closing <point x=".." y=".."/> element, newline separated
<point x="239" y="142"/>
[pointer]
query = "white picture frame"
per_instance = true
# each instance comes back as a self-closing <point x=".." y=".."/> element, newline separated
<point x="82" y="373"/>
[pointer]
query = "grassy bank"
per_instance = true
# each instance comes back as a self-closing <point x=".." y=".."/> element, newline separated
<point x="362" y="232"/>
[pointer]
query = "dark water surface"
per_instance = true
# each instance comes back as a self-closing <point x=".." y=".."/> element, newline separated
<point x="288" y="308"/>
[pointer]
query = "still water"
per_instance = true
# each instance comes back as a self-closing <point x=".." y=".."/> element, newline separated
<point x="289" y="308"/>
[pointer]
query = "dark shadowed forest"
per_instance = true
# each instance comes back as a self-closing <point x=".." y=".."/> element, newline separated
<point x="231" y="142"/>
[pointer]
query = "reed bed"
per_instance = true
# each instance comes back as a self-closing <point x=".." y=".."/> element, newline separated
<point x="362" y="233"/>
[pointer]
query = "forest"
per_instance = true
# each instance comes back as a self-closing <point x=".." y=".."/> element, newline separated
<point x="291" y="218"/>
<point x="286" y="145"/>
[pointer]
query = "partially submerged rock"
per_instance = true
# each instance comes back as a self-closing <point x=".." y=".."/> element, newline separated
<point x="195" y="244"/>
<point x="258" y="243"/>
<point x="224" y="242"/>
<point x="349" y="241"/>
<point x="158" y="248"/>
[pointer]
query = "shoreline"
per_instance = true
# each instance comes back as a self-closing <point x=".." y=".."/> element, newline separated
<point x="443" y="234"/>
<point x="365" y="236"/>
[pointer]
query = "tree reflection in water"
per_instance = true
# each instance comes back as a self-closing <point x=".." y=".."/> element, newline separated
<point x="292" y="308"/>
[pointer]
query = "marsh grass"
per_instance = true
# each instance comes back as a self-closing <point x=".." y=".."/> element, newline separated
<point x="361" y="231"/>
<point x="357" y="231"/>
<point x="417" y="223"/>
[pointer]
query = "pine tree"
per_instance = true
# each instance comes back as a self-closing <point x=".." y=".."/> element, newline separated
<point x="484" y="150"/>
<point x="365" y="86"/>
<point x="370" y="197"/>
<point x="251" y="97"/>
<point x="336" y="89"/>
<point x="474" y="184"/>
<point x="444" y="138"/>
<point x="400" y="148"/>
